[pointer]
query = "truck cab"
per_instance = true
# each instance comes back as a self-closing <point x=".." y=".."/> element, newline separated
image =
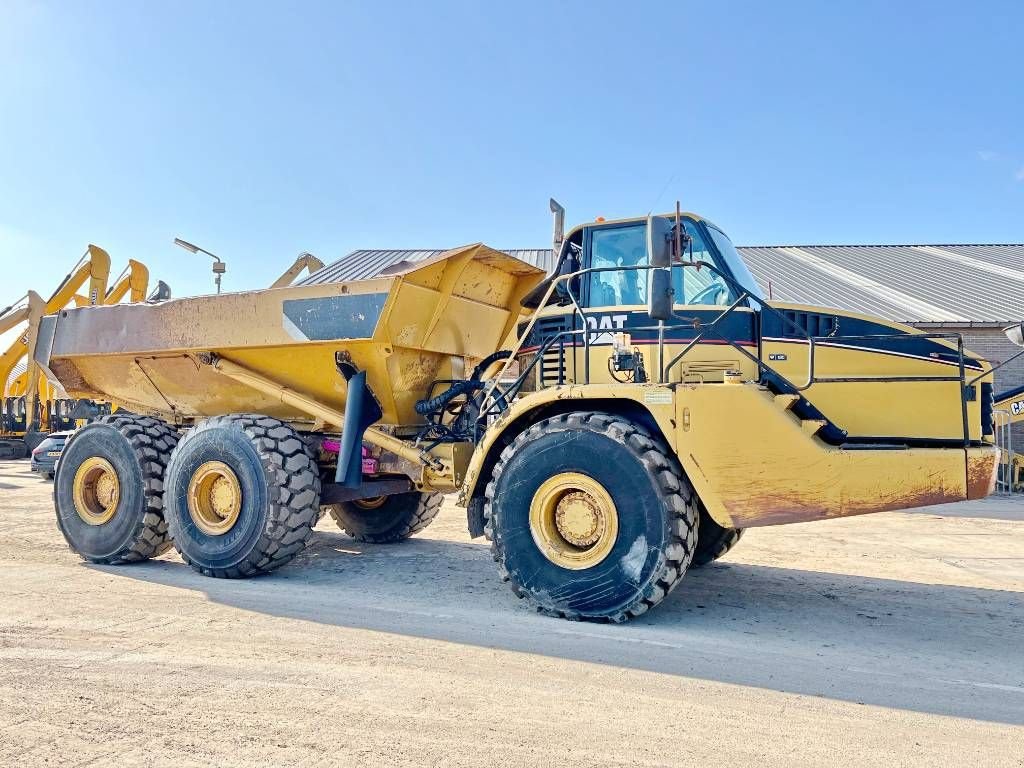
<point x="722" y="328"/>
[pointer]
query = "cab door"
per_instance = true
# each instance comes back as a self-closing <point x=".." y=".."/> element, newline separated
<point x="614" y="301"/>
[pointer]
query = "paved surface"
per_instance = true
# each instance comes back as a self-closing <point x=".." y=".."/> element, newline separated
<point x="892" y="639"/>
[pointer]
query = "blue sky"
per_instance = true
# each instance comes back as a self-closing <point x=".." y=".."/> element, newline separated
<point x="260" y="130"/>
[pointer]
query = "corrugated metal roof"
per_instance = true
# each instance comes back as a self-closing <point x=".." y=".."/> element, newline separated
<point x="910" y="283"/>
<point x="363" y="264"/>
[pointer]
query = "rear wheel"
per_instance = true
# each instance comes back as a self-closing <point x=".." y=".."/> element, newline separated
<point x="386" y="519"/>
<point x="590" y="517"/>
<point x="243" y="495"/>
<point x="108" y="489"/>
<point x="714" y="541"/>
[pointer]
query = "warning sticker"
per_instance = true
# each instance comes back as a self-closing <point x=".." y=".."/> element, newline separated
<point x="658" y="397"/>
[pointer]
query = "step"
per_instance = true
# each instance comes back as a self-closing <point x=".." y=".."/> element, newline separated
<point x="813" y="426"/>
<point x="786" y="402"/>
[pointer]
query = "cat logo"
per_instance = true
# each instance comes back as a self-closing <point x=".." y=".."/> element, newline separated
<point x="605" y="325"/>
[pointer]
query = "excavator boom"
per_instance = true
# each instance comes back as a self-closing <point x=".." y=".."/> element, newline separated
<point x="94" y="268"/>
<point x="305" y="260"/>
<point x="136" y="281"/>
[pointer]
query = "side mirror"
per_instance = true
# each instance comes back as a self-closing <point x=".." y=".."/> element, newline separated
<point x="569" y="263"/>
<point x="659" y="241"/>
<point x="1015" y="333"/>
<point x="659" y="299"/>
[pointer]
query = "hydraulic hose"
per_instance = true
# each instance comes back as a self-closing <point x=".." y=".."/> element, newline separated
<point x="487" y="362"/>
<point x="470" y="385"/>
<point x="423" y="407"/>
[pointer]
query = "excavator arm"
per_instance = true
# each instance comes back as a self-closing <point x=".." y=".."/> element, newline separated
<point x="93" y="268"/>
<point x="36" y="311"/>
<point x="13" y="315"/>
<point x="134" y="279"/>
<point x="304" y="261"/>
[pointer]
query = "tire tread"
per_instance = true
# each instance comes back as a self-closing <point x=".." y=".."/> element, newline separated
<point x="293" y="493"/>
<point x="152" y="441"/>
<point x="660" y="464"/>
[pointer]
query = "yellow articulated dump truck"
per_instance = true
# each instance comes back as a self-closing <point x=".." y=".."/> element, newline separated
<point x="607" y="426"/>
<point x="1009" y="409"/>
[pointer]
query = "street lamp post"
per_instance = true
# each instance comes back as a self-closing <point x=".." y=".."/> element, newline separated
<point x="219" y="267"/>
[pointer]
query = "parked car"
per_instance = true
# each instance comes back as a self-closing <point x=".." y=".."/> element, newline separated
<point x="46" y="454"/>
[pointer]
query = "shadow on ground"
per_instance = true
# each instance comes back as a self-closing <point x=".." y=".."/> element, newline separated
<point x="930" y="648"/>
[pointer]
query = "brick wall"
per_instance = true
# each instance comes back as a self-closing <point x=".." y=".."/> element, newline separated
<point x="992" y="344"/>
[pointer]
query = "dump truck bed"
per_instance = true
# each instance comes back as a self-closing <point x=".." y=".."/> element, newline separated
<point x="405" y="330"/>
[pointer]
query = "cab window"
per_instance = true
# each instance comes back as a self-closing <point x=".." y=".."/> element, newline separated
<point x="624" y="246"/>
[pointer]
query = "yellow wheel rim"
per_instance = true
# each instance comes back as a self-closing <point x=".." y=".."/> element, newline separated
<point x="214" y="498"/>
<point x="96" y="491"/>
<point x="573" y="521"/>
<point x="375" y="502"/>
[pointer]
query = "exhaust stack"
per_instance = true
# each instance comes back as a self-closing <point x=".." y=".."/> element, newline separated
<point x="559" y="230"/>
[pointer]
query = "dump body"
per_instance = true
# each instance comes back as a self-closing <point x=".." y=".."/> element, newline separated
<point x="405" y="330"/>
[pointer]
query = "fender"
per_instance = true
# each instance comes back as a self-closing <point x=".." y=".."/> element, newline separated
<point x="650" y="404"/>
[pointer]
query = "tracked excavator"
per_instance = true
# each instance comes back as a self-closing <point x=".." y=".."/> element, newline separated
<point x="607" y="426"/>
<point x="31" y="404"/>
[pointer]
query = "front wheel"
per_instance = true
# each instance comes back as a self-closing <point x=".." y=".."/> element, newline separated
<point x="386" y="519"/>
<point x="590" y="517"/>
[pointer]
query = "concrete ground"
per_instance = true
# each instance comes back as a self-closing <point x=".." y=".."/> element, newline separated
<point x="892" y="639"/>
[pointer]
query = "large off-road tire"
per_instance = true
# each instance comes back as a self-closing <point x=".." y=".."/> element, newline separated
<point x="243" y="495"/>
<point x="387" y="519"/>
<point x="714" y="541"/>
<point x="590" y="517"/>
<point x="108" y="489"/>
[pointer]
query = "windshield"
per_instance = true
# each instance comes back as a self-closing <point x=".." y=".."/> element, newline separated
<point x="700" y="286"/>
<point x="734" y="261"/>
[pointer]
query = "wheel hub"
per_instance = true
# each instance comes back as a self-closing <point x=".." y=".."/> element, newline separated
<point x="96" y="491"/>
<point x="573" y="520"/>
<point x="578" y="518"/>
<point x="214" y="498"/>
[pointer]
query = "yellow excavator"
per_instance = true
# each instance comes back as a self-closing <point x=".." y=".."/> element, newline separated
<point x="15" y="417"/>
<point x="31" y="404"/>
<point x="305" y="260"/>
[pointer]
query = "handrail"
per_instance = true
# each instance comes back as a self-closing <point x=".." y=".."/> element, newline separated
<point x="703" y="330"/>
